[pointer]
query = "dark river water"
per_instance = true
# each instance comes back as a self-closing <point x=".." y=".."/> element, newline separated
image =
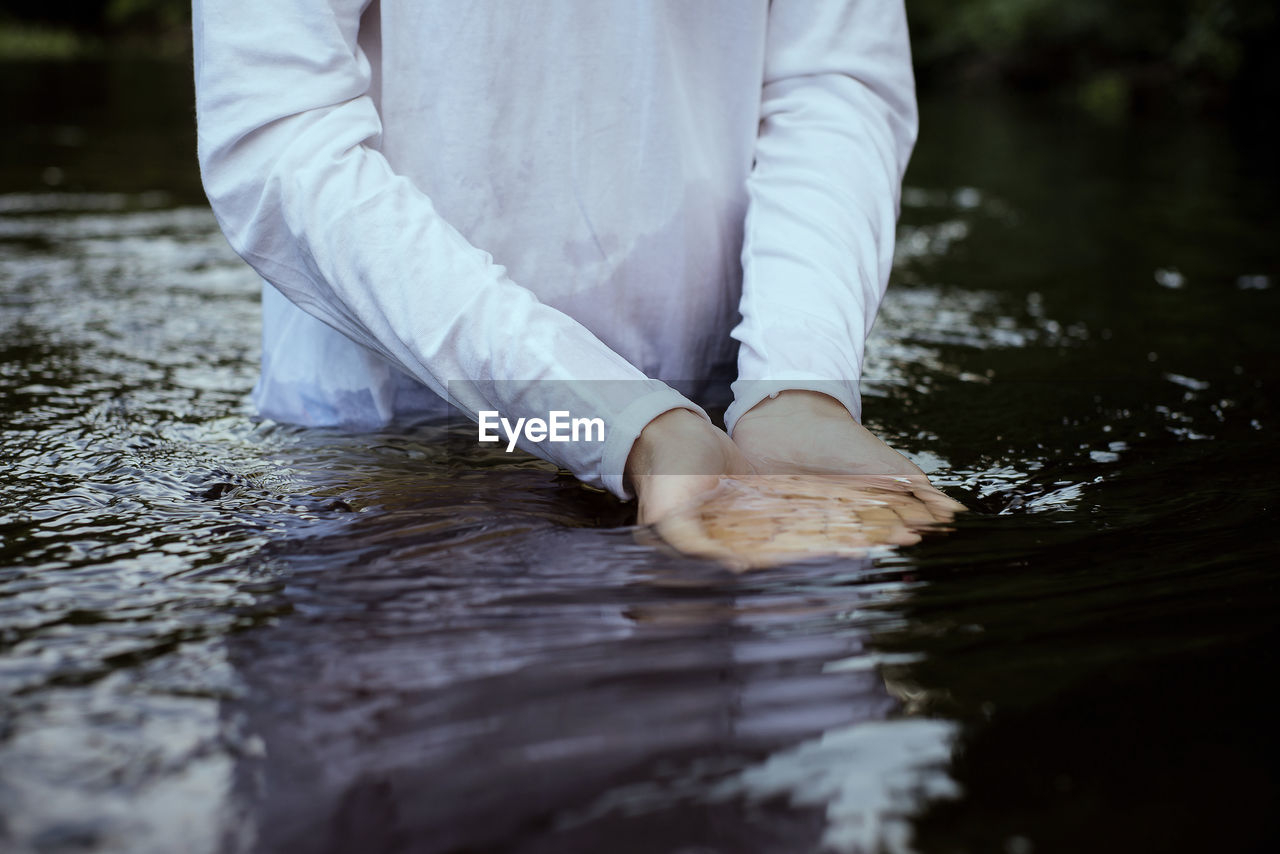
<point x="224" y="635"/>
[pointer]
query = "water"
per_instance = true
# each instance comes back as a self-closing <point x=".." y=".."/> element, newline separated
<point x="221" y="635"/>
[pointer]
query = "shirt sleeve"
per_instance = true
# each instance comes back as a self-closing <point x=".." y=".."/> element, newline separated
<point x="287" y="143"/>
<point x="838" y="122"/>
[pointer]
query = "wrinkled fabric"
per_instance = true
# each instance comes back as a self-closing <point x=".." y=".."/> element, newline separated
<point x="555" y="206"/>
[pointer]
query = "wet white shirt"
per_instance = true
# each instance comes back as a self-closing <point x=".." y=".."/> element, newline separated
<point x="555" y="206"/>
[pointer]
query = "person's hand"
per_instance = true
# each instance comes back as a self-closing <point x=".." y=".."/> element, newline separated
<point x="804" y="432"/>
<point x="751" y="521"/>
<point x="807" y="481"/>
<point x="678" y="457"/>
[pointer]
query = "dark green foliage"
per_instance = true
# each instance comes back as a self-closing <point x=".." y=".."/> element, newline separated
<point x="1115" y="55"/>
<point x="105" y="18"/>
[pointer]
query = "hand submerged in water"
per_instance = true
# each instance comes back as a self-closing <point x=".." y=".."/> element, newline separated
<point x="799" y="479"/>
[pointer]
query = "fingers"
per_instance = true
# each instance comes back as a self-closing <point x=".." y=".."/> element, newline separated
<point x="943" y="507"/>
<point x="753" y="521"/>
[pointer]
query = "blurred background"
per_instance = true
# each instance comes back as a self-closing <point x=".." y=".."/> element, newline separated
<point x="1111" y="58"/>
<point x="1197" y="60"/>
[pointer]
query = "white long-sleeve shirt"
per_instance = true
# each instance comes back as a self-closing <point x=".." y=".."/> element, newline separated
<point x="556" y="205"/>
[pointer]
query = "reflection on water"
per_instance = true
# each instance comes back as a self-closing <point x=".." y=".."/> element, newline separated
<point x="222" y="635"/>
<point x="518" y="678"/>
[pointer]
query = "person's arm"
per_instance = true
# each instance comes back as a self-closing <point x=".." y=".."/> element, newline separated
<point x="287" y="139"/>
<point x="838" y="122"/>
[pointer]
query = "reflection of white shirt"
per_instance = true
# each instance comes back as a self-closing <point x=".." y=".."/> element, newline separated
<point x="489" y="195"/>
